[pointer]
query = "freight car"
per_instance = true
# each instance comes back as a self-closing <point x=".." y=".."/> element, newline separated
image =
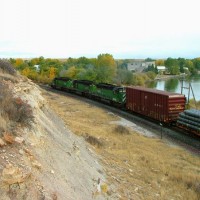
<point x="159" y="105"/>
<point x="190" y="121"/>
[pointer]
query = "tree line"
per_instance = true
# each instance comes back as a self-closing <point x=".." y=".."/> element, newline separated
<point x="104" y="68"/>
<point x="180" y="65"/>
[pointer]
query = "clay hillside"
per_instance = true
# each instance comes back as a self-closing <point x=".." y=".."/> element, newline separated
<point x="39" y="157"/>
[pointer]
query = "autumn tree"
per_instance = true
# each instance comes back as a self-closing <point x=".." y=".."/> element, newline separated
<point x="18" y="62"/>
<point x="105" y="68"/>
<point x="160" y="62"/>
<point x="26" y="71"/>
<point x="52" y="73"/>
<point x="73" y="72"/>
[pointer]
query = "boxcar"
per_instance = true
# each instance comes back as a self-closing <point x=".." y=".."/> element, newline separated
<point x="159" y="105"/>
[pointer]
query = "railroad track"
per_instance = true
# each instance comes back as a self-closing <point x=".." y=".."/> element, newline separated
<point x="170" y="135"/>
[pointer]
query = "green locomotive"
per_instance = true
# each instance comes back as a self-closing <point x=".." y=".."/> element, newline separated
<point x="102" y="91"/>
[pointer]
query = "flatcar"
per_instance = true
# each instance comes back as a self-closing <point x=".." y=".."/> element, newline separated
<point x="190" y="121"/>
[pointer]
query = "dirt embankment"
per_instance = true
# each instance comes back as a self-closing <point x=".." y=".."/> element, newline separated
<point x="45" y="160"/>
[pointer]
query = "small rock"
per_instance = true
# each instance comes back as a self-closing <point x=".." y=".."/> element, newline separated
<point x="21" y="152"/>
<point x="52" y="172"/>
<point x="130" y="170"/>
<point x="8" y="138"/>
<point x="2" y="143"/>
<point x="19" y="140"/>
<point x="28" y="152"/>
<point x="11" y="174"/>
<point x="36" y="164"/>
<point x="136" y="189"/>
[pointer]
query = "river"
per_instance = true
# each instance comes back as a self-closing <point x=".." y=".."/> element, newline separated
<point x="174" y="85"/>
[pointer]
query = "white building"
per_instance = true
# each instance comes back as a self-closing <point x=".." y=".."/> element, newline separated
<point x="37" y="67"/>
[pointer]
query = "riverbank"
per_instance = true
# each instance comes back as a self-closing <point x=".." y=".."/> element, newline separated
<point x="164" y="77"/>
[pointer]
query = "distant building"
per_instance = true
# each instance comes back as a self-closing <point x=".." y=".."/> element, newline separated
<point x="161" y="69"/>
<point x="37" y="67"/>
<point x="139" y="65"/>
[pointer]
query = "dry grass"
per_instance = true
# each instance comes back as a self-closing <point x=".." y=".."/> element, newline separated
<point x="194" y="105"/>
<point x="142" y="168"/>
<point x="12" y="110"/>
<point x="6" y="67"/>
<point x="3" y="123"/>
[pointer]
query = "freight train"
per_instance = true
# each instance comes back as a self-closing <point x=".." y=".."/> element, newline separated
<point x="164" y="107"/>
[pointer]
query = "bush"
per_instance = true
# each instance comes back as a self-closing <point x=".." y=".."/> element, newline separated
<point x="94" y="141"/>
<point x="20" y="111"/>
<point x="13" y="110"/>
<point x="5" y="66"/>
<point x="122" y="130"/>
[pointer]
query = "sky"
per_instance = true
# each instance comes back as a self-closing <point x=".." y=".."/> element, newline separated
<point x="76" y="28"/>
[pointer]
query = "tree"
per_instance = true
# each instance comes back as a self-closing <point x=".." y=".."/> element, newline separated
<point x="149" y="59"/>
<point x="172" y="66"/>
<point x="196" y="63"/>
<point x="73" y="72"/>
<point x="52" y="73"/>
<point x="26" y="71"/>
<point x="87" y="74"/>
<point x="189" y="64"/>
<point x="160" y="62"/>
<point x="123" y="76"/>
<point x="151" y="75"/>
<point x="181" y="62"/>
<point x="105" y="68"/>
<point x="18" y="62"/>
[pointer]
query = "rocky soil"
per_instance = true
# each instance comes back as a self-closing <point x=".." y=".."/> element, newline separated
<point x="46" y="160"/>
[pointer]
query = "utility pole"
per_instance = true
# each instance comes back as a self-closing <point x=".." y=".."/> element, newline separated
<point x="189" y="88"/>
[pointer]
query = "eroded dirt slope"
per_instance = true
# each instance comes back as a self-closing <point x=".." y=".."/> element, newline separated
<point x="46" y="161"/>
